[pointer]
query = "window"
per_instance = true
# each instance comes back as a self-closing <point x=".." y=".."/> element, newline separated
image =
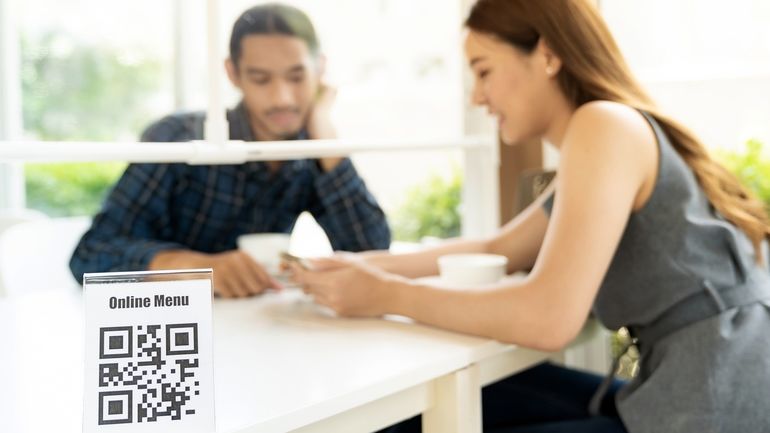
<point x="398" y="74"/>
<point x="96" y="79"/>
<point x="707" y="63"/>
<point x="88" y="76"/>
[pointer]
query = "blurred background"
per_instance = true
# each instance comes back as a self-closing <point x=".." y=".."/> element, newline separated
<point x="101" y="70"/>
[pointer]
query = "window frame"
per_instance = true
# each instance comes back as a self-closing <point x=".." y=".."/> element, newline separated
<point x="480" y="210"/>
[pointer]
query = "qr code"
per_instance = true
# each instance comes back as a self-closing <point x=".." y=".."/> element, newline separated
<point x="147" y="372"/>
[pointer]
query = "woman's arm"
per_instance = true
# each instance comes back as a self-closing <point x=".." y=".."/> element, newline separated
<point x="608" y="162"/>
<point x="519" y="240"/>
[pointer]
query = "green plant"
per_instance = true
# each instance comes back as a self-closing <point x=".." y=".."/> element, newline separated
<point x="70" y="189"/>
<point x="752" y="166"/>
<point x="72" y="91"/>
<point x="431" y="209"/>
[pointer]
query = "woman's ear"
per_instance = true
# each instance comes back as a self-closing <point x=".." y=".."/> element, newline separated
<point x="551" y="63"/>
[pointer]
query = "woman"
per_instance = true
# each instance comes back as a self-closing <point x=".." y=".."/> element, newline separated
<point x="641" y="225"/>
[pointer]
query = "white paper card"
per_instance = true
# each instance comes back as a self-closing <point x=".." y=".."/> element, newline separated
<point x="148" y="352"/>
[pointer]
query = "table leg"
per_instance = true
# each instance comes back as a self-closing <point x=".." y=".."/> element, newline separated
<point x="456" y="403"/>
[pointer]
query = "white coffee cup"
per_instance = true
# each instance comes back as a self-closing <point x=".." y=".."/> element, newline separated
<point x="265" y="249"/>
<point x="471" y="269"/>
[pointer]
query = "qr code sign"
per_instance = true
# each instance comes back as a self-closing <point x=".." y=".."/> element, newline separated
<point x="147" y="373"/>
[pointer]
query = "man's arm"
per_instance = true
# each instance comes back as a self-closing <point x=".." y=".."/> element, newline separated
<point x="343" y="206"/>
<point x="347" y="211"/>
<point x="320" y="126"/>
<point x="235" y="273"/>
<point x="134" y="230"/>
<point x="128" y="231"/>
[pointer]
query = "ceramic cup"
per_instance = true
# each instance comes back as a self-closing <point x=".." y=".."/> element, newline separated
<point x="265" y="249"/>
<point x="471" y="269"/>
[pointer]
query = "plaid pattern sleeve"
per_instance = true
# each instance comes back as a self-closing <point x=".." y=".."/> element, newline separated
<point x="156" y="207"/>
<point x="347" y="211"/>
<point x="127" y="233"/>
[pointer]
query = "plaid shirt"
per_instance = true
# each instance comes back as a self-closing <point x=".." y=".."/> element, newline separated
<point x="156" y="207"/>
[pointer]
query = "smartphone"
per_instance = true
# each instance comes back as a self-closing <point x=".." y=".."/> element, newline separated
<point x="291" y="258"/>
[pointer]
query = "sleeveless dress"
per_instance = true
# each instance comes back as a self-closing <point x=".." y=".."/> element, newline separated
<point x="687" y="285"/>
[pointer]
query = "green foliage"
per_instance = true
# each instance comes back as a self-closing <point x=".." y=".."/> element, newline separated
<point x="72" y="91"/>
<point x="70" y="189"/>
<point x="431" y="209"/>
<point x="752" y="166"/>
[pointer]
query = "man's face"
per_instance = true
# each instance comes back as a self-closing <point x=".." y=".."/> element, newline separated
<point x="279" y="79"/>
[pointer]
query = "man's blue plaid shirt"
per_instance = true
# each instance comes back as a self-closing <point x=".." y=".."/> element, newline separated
<point x="155" y="207"/>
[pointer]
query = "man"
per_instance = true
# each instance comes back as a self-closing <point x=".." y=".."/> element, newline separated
<point x="176" y="216"/>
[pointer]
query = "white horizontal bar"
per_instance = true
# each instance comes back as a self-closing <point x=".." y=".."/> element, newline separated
<point x="231" y="152"/>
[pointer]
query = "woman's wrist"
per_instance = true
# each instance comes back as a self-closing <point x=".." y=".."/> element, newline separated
<point x="398" y="293"/>
<point x="375" y="258"/>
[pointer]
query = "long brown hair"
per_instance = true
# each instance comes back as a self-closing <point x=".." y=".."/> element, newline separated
<point x="593" y="68"/>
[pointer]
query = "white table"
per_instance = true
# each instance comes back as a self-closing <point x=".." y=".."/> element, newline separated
<point x="281" y="364"/>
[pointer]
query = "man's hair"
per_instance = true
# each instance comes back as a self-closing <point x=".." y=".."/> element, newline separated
<point x="272" y="19"/>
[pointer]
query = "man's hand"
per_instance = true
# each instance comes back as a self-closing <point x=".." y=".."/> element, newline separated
<point x="236" y="275"/>
<point x="319" y="124"/>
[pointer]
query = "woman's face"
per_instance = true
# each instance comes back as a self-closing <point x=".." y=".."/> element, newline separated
<point x="515" y="86"/>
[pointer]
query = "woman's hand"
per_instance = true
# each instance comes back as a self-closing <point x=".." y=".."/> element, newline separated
<point x="348" y="286"/>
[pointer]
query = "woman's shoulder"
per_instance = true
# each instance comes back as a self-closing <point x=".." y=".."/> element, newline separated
<point x="611" y="133"/>
<point x="608" y="116"/>
<point x="603" y="124"/>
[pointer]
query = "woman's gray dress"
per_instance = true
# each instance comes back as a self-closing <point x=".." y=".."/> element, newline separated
<point x="687" y="285"/>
